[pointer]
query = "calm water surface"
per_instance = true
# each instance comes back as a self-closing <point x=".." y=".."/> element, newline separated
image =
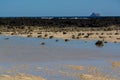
<point x="53" y="55"/>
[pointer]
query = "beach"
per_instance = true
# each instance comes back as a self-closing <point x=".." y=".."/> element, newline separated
<point x="55" y="53"/>
<point x="75" y="59"/>
<point x="67" y="33"/>
<point x="59" y="40"/>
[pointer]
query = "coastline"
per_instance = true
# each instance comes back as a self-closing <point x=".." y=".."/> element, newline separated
<point x="75" y="58"/>
<point x="68" y="63"/>
<point x="69" y="33"/>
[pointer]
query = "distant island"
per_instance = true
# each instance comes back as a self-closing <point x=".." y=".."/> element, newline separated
<point x="95" y="14"/>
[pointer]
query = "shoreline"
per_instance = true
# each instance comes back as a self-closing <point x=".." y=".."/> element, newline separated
<point x="108" y="36"/>
<point x="73" y="59"/>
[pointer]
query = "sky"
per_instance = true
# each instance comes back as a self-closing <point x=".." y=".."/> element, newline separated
<point x="16" y="8"/>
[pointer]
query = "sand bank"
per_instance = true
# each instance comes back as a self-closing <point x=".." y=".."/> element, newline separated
<point x="109" y="36"/>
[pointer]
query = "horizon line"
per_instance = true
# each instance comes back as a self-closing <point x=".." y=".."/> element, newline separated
<point x="59" y="16"/>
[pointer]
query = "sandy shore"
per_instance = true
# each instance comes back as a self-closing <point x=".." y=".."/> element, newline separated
<point x="81" y="73"/>
<point x="20" y="77"/>
<point x="109" y="36"/>
<point x="13" y="53"/>
<point x="30" y="54"/>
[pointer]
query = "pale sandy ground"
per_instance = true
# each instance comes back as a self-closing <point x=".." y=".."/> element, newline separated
<point x="91" y="73"/>
<point x="110" y="36"/>
<point x="20" y="77"/>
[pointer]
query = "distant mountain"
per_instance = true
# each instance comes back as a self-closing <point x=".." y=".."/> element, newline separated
<point x="95" y="15"/>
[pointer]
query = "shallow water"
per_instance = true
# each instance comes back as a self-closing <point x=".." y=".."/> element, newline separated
<point x="17" y="51"/>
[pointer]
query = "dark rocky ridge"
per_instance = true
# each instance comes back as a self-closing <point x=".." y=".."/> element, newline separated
<point x="59" y="22"/>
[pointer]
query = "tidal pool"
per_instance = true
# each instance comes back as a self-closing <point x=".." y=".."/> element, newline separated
<point x="27" y="55"/>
